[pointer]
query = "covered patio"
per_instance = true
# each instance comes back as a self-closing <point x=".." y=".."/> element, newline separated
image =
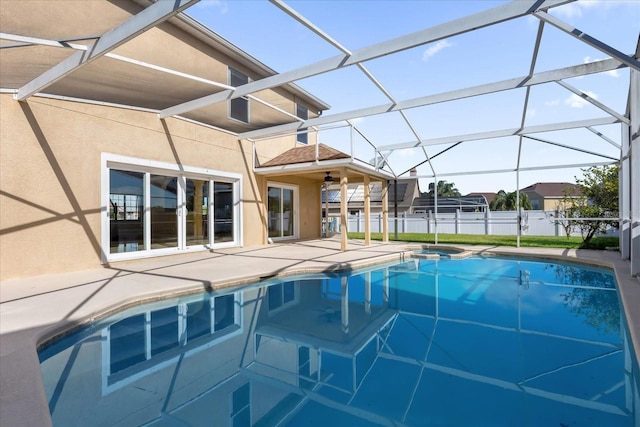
<point x="326" y="165"/>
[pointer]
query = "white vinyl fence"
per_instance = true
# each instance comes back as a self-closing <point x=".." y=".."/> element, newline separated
<point x="534" y="223"/>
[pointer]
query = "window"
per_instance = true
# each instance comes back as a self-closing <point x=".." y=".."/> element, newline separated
<point x="282" y="206"/>
<point x="157" y="208"/>
<point x="238" y="107"/>
<point x="303" y="113"/>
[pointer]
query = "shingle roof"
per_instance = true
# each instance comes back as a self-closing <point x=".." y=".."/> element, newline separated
<point x="551" y="189"/>
<point x="305" y="155"/>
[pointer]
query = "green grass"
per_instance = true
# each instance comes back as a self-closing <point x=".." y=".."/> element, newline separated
<point x="478" y="239"/>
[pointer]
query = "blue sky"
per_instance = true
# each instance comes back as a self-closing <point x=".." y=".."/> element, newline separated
<point x="491" y="54"/>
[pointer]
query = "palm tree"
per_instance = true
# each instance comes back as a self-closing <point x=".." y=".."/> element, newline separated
<point x="445" y="189"/>
<point x="507" y="201"/>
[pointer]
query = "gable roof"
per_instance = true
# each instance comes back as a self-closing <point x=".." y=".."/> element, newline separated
<point x="552" y="189"/>
<point x="305" y="155"/>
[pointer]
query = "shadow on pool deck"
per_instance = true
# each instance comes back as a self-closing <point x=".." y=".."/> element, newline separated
<point x="35" y="310"/>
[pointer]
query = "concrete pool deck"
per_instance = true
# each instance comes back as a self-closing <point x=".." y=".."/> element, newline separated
<point x="34" y="310"/>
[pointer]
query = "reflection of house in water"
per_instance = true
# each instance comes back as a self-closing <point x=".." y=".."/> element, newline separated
<point x="354" y="350"/>
<point x="323" y="331"/>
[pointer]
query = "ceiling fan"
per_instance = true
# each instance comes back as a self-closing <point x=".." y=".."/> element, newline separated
<point x="329" y="178"/>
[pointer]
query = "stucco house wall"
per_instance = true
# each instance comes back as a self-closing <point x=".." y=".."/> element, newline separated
<point x="52" y="167"/>
<point x="50" y="162"/>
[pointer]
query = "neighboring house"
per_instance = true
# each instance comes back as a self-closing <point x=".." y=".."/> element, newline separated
<point x="546" y="196"/>
<point x="409" y="201"/>
<point x="426" y="203"/>
<point x="489" y="197"/>
<point x="97" y="166"/>
<point x="408" y="190"/>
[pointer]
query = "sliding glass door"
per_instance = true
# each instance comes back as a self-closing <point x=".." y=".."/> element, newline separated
<point x="282" y="211"/>
<point x="164" y="205"/>
<point x="223" y="224"/>
<point x="197" y="206"/>
<point x="126" y="211"/>
<point x="155" y="212"/>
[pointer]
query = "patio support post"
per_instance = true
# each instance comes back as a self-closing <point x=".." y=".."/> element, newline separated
<point x="624" y="184"/>
<point x="344" y="304"/>
<point x="385" y="211"/>
<point x="518" y="210"/>
<point x="435" y="208"/>
<point x="343" y="209"/>
<point x="367" y="292"/>
<point x="367" y="212"/>
<point x="326" y="209"/>
<point x="395" y="209"/>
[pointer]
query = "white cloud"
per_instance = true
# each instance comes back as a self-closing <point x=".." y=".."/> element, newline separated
<point x="433" y="49"/>
<point x="575" y="101"/>
<point x="221" y="5"/>
<point x="552" y="103"/>
<point x="612" y="73"/>
<point x="576" y="9"/>
<point x="407" y="152"/>
<point x="531" y="113"/>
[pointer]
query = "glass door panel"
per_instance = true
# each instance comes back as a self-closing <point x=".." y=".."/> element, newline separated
<point x="197" y="199"/>
<point x="287" y="212"/>
<point x="164" y="203"/>
<point x="273" y="206"/>
<point x="126" y="211"/>
<point x="280" y="207"/>
<point x="223" y="212"/>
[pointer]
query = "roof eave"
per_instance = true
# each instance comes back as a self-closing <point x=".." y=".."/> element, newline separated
<point x="298" y="168"/>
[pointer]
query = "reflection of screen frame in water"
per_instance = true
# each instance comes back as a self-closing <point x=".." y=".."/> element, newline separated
<point x="386" y="308"/>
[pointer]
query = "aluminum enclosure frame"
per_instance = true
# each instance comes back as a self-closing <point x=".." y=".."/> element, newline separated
<point x="629" y="147"/>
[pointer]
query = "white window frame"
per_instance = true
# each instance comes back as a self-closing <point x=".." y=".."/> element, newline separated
<point x="114" y="161"/>
<point x="296" y="209"/>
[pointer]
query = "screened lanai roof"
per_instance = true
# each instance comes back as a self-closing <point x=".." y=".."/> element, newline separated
<point x="388" y="119"/>
<point x="50" y="54"/>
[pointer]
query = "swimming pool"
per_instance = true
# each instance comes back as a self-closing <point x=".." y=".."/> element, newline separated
<point x="475" y="341"/>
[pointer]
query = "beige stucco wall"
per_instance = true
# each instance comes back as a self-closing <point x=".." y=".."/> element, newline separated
<point x="551" y="204"/>
<point x="50" y="175"/>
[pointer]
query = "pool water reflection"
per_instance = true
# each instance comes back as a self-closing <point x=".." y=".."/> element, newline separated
<point x="428" y="342"/>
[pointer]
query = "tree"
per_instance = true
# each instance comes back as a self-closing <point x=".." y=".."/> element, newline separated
<point x="599" y="309"/>
<point x="507" y="201"/>
<point x="445" y="189"/>
<point x="564" y="214"/>
<point x="598" y="199"/>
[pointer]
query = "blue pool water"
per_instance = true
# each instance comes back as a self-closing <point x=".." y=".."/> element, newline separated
<point x="470" y="342"/>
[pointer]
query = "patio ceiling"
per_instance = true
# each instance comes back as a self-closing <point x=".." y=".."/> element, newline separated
<point x="93" y="66"/>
